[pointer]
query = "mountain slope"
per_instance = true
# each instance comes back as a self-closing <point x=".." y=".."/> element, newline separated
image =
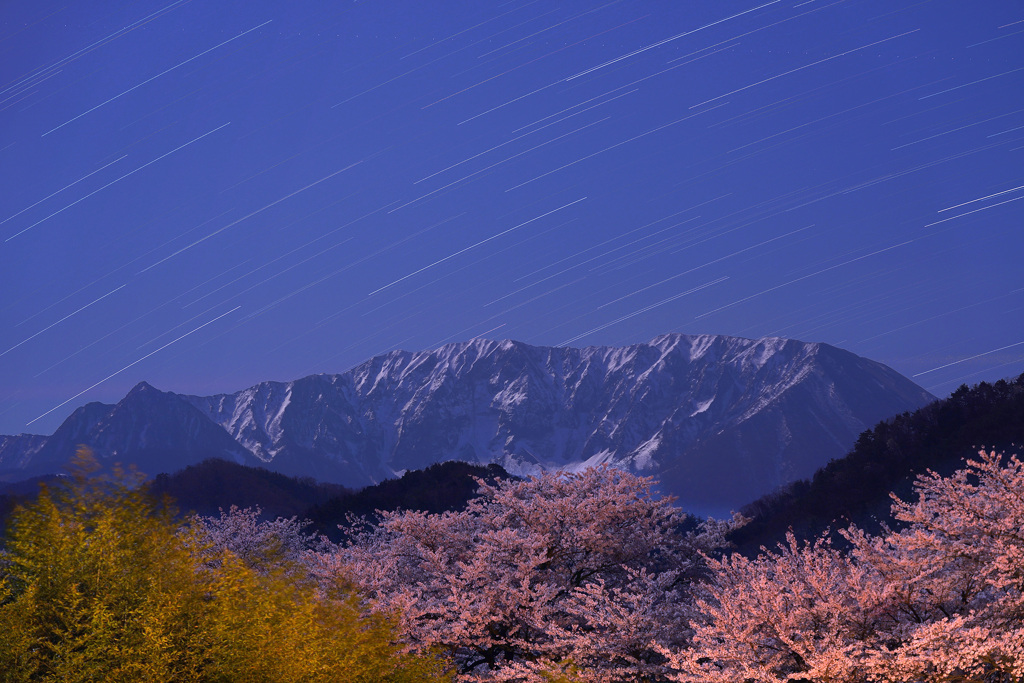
<point x="16" y="452"/>
<point x="887" y="458"/>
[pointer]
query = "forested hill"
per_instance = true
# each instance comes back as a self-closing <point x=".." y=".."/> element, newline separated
<point x="887" y="458"/>
<point x="215" y="484"/>
<point x="435" y="489"/>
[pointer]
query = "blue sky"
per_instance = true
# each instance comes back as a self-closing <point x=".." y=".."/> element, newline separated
<point x="205" y="195"/>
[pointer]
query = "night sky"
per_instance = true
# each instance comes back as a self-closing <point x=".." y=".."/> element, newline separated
<point x="207" y="194"/>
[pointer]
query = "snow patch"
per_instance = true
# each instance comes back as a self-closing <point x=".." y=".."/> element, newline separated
<point x="600" y="458"/>
<point x="701" y="345"/>
<point x="702" y="407"/>
<point x="274" y="429"/>
<point x="643" y="457"/>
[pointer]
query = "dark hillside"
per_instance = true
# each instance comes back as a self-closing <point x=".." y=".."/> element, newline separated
<point x="887" y="458"/>
<point x="206" y="487"/>
<point x="444" y="486"/>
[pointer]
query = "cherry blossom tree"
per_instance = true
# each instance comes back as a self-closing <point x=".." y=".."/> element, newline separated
<point x="584" y="574"/>
<point x="954" y="577"/>
<point x="260" y="544"/>
<point x="942" y="598"/>
<point x="780" y="616"/>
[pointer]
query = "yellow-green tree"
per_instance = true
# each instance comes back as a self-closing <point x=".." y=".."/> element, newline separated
<point x="97" y="584"/>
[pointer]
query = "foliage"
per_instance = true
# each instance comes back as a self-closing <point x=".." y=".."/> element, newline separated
<point x="98" y="585"/>
<point x="939" y="600"/>
<point x="576" y="575"/>
<point x="18" y="493"/>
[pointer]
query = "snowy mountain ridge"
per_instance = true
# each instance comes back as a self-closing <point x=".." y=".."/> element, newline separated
<point x="719" y="420"/>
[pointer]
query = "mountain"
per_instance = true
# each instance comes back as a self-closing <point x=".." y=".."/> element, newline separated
<point x="720" y="420"/>
<point x="153" y="430"/>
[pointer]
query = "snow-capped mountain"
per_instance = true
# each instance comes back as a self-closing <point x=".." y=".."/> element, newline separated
<point x="719" y="420"/>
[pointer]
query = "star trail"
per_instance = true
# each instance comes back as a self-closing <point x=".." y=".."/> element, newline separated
<point x="205" y="195"/>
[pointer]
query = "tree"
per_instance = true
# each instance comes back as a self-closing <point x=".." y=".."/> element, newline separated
<point x="795" y="614"/>
<point x="97" y="584"/>
<point x="260" y="544"/>
<point x="954" y="577"/>
<point x="942" y="598"/>
<point x="575" y="574"/>
<point x="280" y="628"/>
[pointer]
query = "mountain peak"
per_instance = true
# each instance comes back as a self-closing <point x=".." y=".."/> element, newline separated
<point x="153" y="430"/>
<point x="142" y="388"/>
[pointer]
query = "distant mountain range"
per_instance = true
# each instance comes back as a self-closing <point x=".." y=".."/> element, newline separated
<point x="719" y="420"/>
